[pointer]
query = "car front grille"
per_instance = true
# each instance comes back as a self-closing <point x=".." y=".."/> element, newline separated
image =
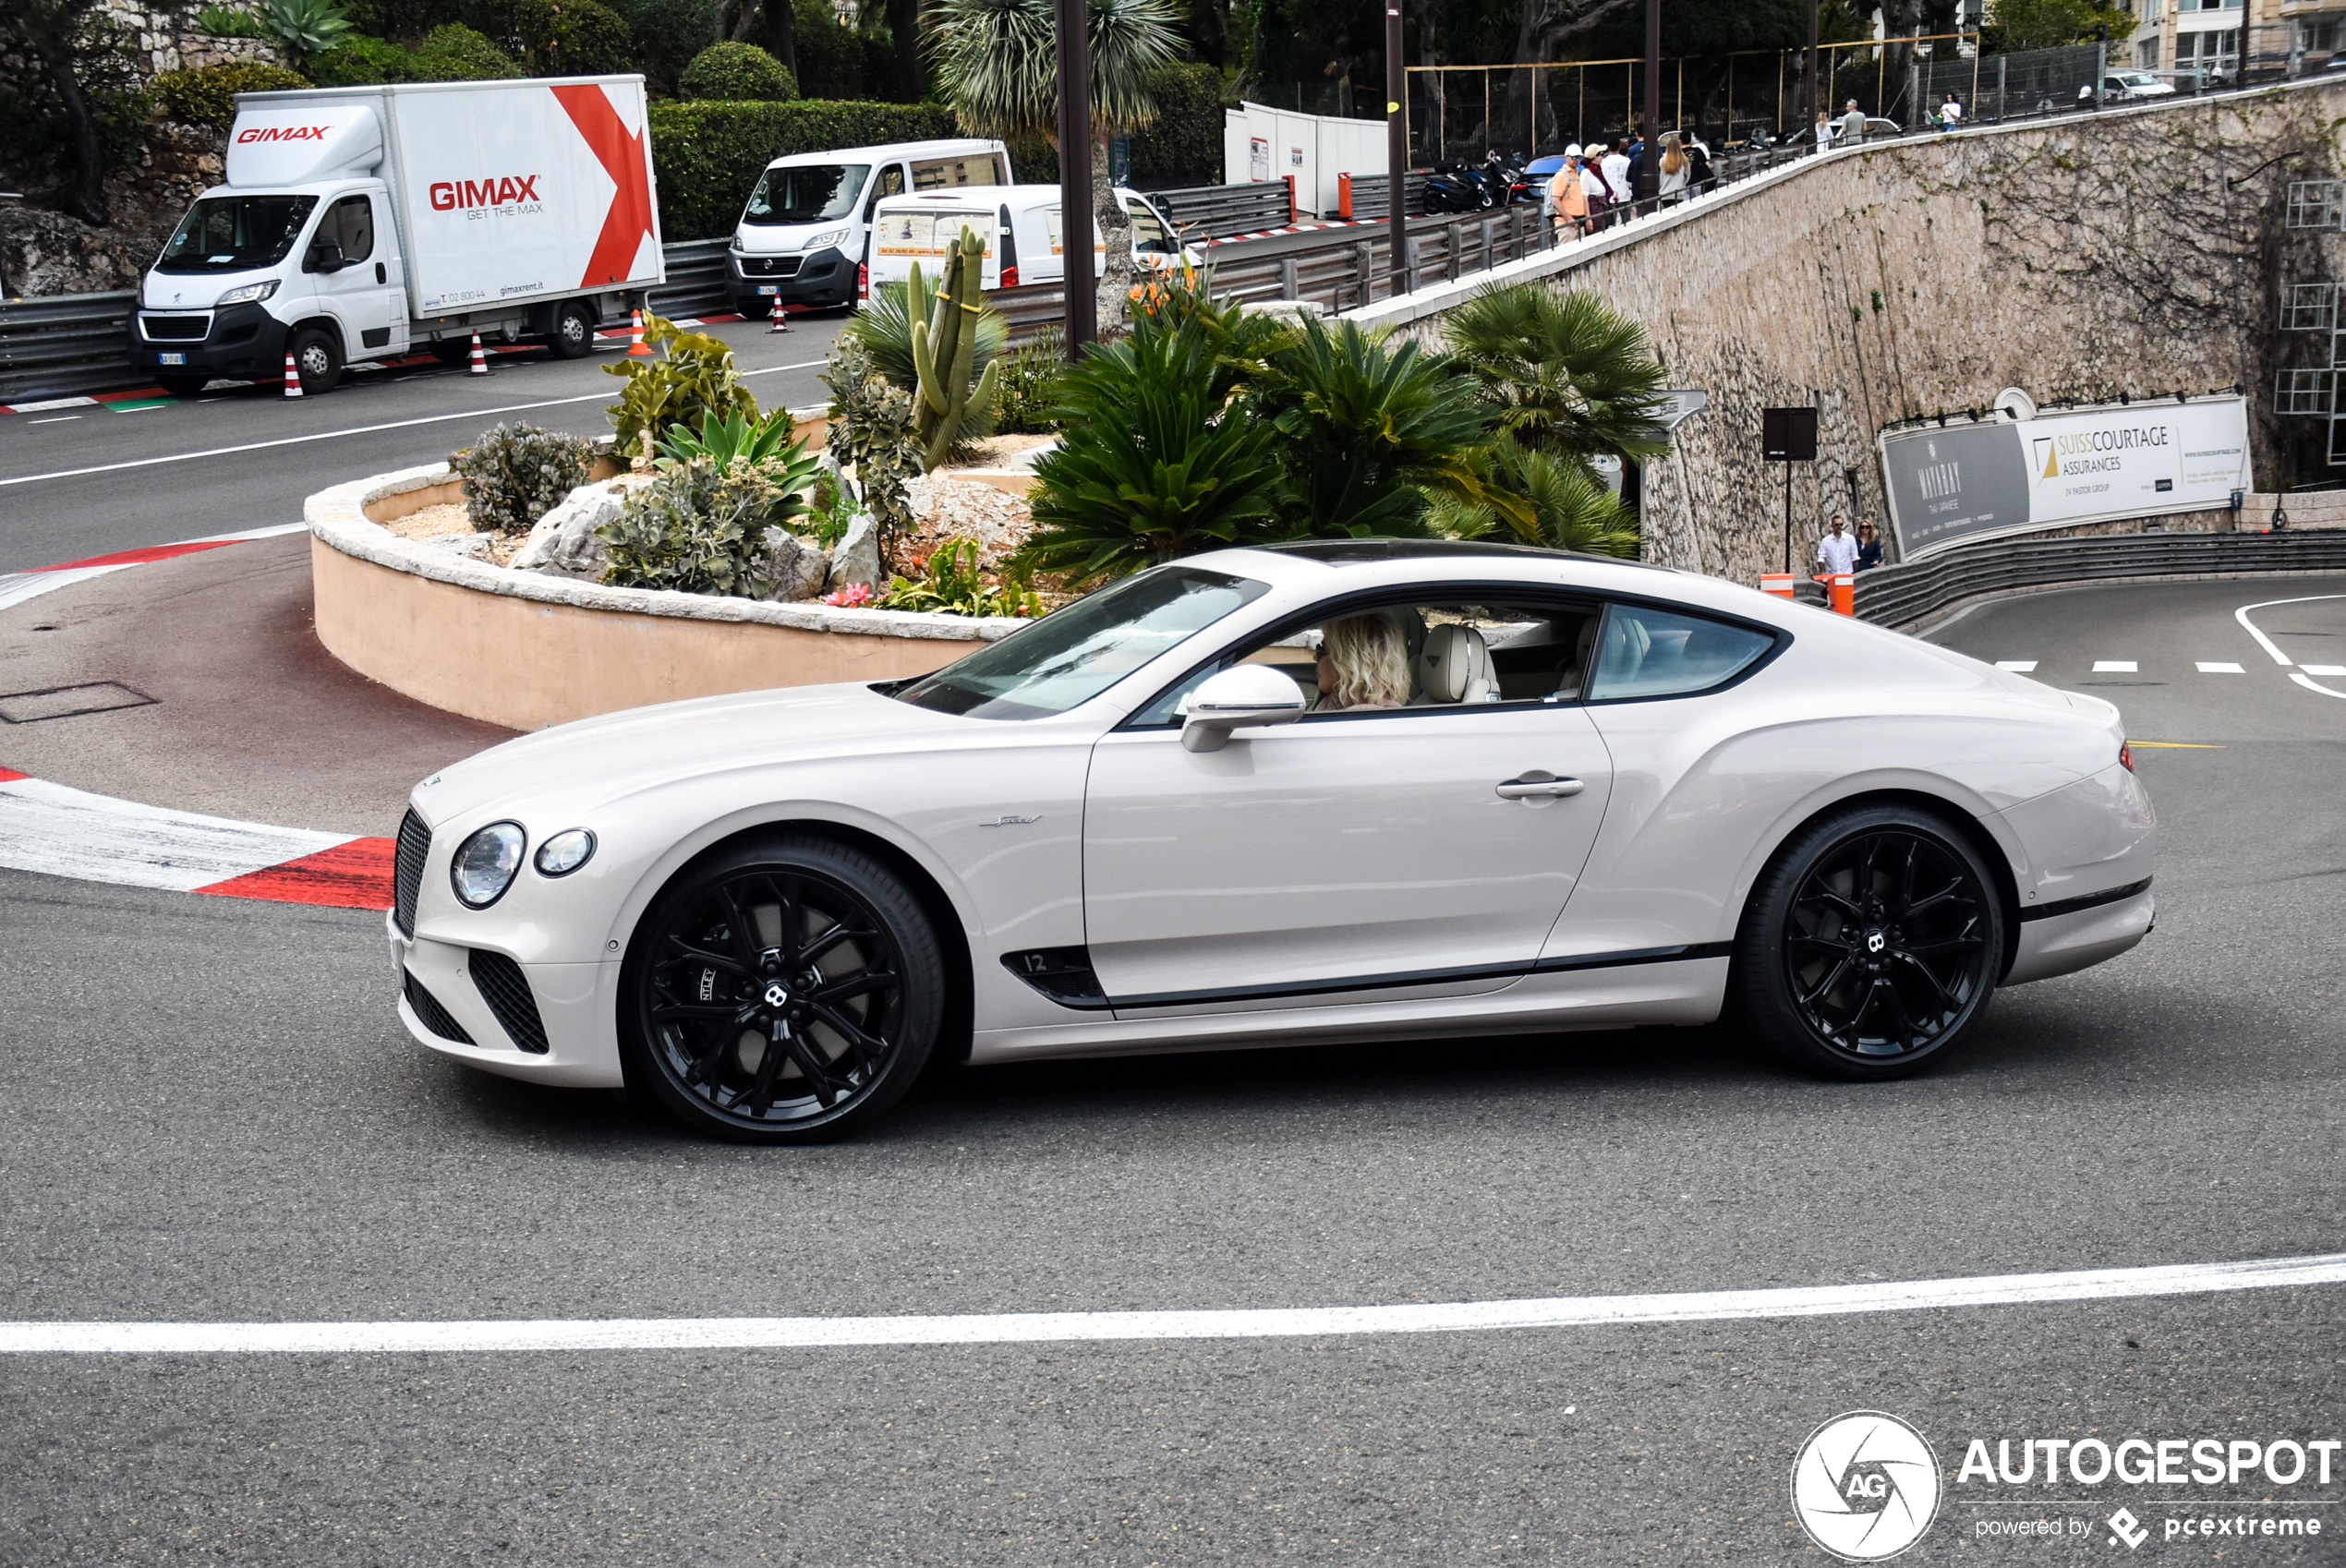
<point x="431" y="1014"/>
<point x="174" y="329"/>
<point x="770" y="266"/>
<point x="407" y="870"/>
<point x="506" y="990"/>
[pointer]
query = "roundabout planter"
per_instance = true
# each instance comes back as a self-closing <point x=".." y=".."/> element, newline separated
<point x="527" y="649"/>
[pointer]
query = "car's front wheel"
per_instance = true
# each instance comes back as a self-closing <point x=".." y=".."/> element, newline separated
<point x="787" y="990"/>
<point x="1870" y="945"/>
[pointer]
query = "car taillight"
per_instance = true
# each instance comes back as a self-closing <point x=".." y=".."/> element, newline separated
<point x="2126" y="756"/>
<point x="863" y="280"/>
<point x="1010" y="275"/>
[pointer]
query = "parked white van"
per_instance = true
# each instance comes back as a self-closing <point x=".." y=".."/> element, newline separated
<point x="1020" y="223"/>
<point x="802" y="235"/>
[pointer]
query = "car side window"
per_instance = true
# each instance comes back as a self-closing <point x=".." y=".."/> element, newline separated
<point x="888" y="182"/>
<point x="1427" y="653"/>
<point x="1645" y="652"/>
<point x="350" y="223"/>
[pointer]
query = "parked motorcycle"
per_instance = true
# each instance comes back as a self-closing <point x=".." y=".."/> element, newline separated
<point x="1455" y="187"/>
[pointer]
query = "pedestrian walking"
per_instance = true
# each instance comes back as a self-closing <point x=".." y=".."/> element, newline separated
<point x="1853" y="125"/>
<point x="1868" y="547"/>
<point x="1568" y="197"/>
<point x="1615" y="168"/>
<point x="1951" y="112"/>
<point x="1824" y="132"/>
<point x="1836" y="552"/>
<point x="1675" y="169"/>
<point x="1699" y="175"/>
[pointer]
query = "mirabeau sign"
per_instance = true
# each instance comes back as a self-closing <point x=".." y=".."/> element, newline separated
<point x="1976" y="481"/>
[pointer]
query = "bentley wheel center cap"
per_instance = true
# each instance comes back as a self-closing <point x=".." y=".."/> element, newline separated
<point x="1875" y="942"/>
<point x="777" y="994"/>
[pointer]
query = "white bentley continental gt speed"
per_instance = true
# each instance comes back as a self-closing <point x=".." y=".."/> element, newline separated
<point x="1327" y="791"/>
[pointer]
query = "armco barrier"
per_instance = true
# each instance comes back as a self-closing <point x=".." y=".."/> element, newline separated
<point x="1364" y="196"/>
<point x="66" y="344"/>
<point x="1213" y="212"/>
<point x="1910" y="596"/>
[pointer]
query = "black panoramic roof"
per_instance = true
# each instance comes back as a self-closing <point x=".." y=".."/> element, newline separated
<point x="1354" y="553"/>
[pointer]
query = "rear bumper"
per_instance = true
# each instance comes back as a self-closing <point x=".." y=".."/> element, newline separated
<point x="2063" y="942"/>
<point x="825" y="278"/>
<point x="245" y="342"/>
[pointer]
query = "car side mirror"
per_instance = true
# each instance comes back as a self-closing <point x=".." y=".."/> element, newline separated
<point x="1241" y="696"/>
<point x="325" y="256"/>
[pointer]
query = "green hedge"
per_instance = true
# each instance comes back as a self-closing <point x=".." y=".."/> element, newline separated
<point x="452" y="51"/>
<point x="360" y="60"/>
<point x="207" y="94"/>
<point x="737" y="73"/>
<point x="708" y="155"/>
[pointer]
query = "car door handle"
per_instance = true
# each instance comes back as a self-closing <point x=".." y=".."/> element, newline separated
<point x="1527" y="788"/>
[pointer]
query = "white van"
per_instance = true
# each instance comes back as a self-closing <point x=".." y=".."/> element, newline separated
<point x="802" y="235"/>
<point x="1020" y="223"/>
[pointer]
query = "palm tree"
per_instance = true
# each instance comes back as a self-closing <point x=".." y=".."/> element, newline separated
<point x="1566" y="372"/>
<point x="1565" y="507"/>
<point x="999" y="64"/>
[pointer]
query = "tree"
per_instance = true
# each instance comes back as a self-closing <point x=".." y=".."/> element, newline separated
<point x="2045" y="24"/>
<point x="77" y="52"/>
<point x="998" y="66"/>
<point x="1565" y="373"/>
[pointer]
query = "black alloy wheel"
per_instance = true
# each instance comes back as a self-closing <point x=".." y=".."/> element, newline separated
<point x="1871" y="945"/>
<point x="316" y="360"/>
<point x="574" y="334"/>
<point x="784" y="991"/>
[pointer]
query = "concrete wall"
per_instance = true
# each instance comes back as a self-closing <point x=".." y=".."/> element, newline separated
<point x="2141" y="252"/>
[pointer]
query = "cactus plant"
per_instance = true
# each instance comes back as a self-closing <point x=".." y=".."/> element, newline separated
<point x="945" y="349"/>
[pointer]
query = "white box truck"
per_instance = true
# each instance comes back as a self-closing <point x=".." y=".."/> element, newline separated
<point x="365" y="222"/>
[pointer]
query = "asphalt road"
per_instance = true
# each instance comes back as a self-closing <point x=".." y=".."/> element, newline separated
<point x="85" y="481"/>
<point x="212" y="1116"/>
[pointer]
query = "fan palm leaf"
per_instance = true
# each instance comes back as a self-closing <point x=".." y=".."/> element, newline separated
<point x="1566" y="372"/>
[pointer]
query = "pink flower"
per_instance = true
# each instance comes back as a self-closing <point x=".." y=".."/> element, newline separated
<point x="849" y="596"/>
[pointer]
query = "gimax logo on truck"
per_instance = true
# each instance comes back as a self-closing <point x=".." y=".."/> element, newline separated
<point x="447" y="196"/>
<point x="282" y="133"/>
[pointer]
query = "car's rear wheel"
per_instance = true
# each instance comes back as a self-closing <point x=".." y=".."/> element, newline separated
<point x="1870" y="945"/>
<point x="787" y="990"/>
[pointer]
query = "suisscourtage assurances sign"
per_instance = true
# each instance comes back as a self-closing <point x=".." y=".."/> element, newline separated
<point x="1966" y="482"/>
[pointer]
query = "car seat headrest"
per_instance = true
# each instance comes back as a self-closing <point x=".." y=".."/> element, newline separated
<point x="1456" y="665"/>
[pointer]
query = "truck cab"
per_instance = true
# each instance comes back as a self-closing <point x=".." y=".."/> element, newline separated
<point x="805" y="234"/>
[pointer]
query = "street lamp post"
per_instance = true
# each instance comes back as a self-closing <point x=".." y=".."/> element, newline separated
<point x="1649" y="167"/>
<point x="1072" y="19"/>
<point x="1396" y="152"/>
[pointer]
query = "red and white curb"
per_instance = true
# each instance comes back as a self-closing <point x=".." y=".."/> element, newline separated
<point x="17" y="587"/>
<point x="59" y="831"/>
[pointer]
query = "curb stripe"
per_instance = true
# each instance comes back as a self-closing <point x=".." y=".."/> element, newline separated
<point x="355" y="876"/>
<point x="1030" y="1328"/>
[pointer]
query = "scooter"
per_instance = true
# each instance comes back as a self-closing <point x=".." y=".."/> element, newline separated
<point x="1455" y="187"/>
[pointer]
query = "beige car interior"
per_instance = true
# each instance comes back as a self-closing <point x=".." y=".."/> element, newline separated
<point x="1460" y="655"/>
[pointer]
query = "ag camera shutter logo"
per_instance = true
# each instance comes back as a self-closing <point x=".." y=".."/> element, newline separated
<point x="1866" y="1486"/>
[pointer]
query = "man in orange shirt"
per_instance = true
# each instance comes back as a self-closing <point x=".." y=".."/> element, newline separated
<point x="1567" y="198"/>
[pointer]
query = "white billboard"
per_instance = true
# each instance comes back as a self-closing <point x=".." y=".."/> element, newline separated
<point x="1964" y="482"/>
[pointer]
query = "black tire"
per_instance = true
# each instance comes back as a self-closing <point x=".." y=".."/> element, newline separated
<point x="1870" y="945"/>
<point x="716" y="976"/>
<point x="574" y="333"/>
<point x="183" y="386"/>
<point x="452" y="351"/>
<point x="317" y="359"/>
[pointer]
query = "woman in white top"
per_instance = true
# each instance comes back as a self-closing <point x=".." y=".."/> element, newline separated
<point x="1673" y="188"/>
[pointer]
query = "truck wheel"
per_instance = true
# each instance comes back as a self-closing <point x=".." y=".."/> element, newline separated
<point x="574" y="333"/>
<point x="317" y="359"/>
<point x="451" y="351"/>
<point x="183" y="386"/>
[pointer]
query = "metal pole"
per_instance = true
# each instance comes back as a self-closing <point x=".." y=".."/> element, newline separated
<point x="1072" y="19"/>
<point x="1397" y="153"/>
<point x="1816" y="105"/>
<point x="1787" y="518"/>
<point x="1650" y="166"/>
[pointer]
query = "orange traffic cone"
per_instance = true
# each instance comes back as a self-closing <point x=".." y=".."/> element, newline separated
<point x="293" y="377"/>
<point x="780" y="325"/>
<point x="637" y="350"/>
<point x="481" y="358"/>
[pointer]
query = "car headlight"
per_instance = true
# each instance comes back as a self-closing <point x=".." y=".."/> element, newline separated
<point x="251" y="293"/>
<point x="831" y="237"/>
<point x="484" y="866"/>
<point x="566" y="852"/>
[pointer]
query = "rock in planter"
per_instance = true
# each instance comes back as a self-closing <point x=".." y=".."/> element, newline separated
<point x="855" y="558"/>
<point x="563" y="543"/>
<point x="475" y="546"/>
<point x="796" y="568"/>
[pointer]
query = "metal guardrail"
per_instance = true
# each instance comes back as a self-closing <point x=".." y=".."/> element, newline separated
<point x="1369" y="193"/>
<point x="70" y="344"/>
<point x="1908" y="596"/>
<point x="1213" y="211"/>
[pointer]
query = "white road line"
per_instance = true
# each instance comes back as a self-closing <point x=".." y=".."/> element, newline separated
<point x="17" y="587"/>
<point x="1028" y="1328"/>
<point x="353" y="430"/>
<point x="65" y="832"/>
<point x="2332" y="670"/>
<point x="2264" y="641"/>
<point x="2312" y="685"/>
<point x="2113" y="666"/>
<point x="2018" y="666"/>
<point x="56" y="420"/>
<point x="2217" y="667"/>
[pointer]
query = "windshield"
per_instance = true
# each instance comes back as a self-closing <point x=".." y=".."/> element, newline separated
<point x="1073" y="655"/>
<point x="806" y="193"/>
<point x="1149" y="237"/>
<point x="235" y="233"/>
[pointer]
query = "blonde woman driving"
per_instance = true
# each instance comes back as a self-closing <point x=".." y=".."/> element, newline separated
<point x="1363" y="663"/>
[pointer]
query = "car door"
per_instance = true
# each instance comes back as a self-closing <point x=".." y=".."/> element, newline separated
<point x="364" y="294"/>
<point x="1424" y="850"/>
